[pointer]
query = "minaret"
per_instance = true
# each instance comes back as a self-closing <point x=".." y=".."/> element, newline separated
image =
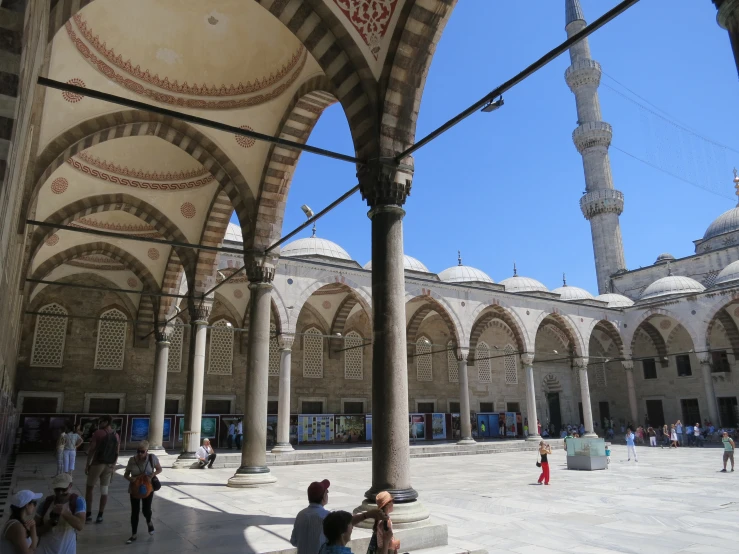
<point x="601" y="204"/>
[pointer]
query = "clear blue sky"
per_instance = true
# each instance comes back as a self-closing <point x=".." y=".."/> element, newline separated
<point x="505" y="186"/>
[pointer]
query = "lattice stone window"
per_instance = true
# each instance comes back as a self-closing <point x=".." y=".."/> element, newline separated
<point x="353" y="358"/>
<point x="48" y="340"/>
<point x="511" y="367"/>
<point x="313" y="354"/>
<point x="600" y="374"/>
<point x="452" y="363"/>
<point x="482" y="361"/>
<point x="220" y="358"/>
<point x="424" y="364"/>
<point x="174" y="360"/>
<point x="274" y="352"/>
<point x="111" y="340"/>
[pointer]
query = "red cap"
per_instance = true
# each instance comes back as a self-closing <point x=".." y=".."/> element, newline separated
<point x="316" y="490"/>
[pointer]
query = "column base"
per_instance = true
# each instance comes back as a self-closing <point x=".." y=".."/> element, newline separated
<point x="533" y="438"/>
<point x="185" y="460"/>
<point x="282" y="448"/>
<point x="590" y="435"/>
<point x="466" y="441"/>
<point x="405" y="516"/>
<point x="158" y="449"/>
<point x="247" y="477"/>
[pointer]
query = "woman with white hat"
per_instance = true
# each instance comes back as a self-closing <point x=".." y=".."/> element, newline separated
<point x="19" y="534"/>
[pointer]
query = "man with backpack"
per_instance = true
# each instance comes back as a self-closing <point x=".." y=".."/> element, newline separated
<point x="101" y="459"/>
<point x="60" y="518"/>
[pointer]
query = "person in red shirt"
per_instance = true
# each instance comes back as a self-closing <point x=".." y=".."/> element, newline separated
<point x="101" y="459"/>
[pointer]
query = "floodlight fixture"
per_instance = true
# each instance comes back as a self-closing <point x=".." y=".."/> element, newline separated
<point x="307" y="211"/>
<point x="493" y="105"/>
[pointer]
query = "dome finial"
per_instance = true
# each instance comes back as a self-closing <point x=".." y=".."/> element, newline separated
<point x="459" y="257"/>
<point x="564" y="280"/>
<point x="515" y="273"/>
<point x="314" y="230"/>
<point x="736" y="183"/>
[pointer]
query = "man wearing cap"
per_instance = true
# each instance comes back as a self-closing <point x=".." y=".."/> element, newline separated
<point x="60" y="518"/>
<point x="19" y="533"/>
<point x="307" y="533"/>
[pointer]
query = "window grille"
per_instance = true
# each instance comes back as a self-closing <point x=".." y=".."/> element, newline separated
<point x="220" y="358"/>
<point x="354" y="358"/>
<point x="424" y="365"/>
<point x="452" y="363"/>
<point x="111" y="341"/>
<point x="313" y="354"/>
<point x="511" y="367"/>
<point x="274" y="352"/>
<point x="174" y="359"/>
<point x="48" y="340"/>
<point x="482" y="361"/>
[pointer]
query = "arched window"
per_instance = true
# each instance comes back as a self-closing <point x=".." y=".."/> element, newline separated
<point x="482" y="361"/>
<point x="48" y="340"/>
<point x="174" y="361"/>
<point x="313" y="353"/>
<point x="274" y="352"/>
<point x="353" y="356"/>
<point x="111" y="343"/>
<point x="511" y="366"/>
<point x="221" y="355"/>
<point x="452" y="363"/>
<point x="424" y="364"/>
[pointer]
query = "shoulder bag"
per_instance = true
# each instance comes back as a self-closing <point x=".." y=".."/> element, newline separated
<point x="538" y="461"/>
<point x="155" y="483"/>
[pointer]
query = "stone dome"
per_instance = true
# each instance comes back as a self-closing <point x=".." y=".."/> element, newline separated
<point x="523" y="284"/>
<point x="464" y="274"/>
<point x="313" y="246"/>
<point x="672" y="284"/>
<point x="615" y="300"/>
<point x="664" y="258"/>
<point x="568" y="293"/>
<point x="725" y="223"/>
<point x="409" y="264"/>
<point x="728" y="274"/>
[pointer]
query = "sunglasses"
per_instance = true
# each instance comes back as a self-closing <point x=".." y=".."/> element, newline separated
<point x="141" y="451"/>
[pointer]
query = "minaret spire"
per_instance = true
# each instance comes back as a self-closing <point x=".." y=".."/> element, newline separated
<point x="601" y="204"/>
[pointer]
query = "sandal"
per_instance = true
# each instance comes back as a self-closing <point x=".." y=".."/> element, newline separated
<point x="131" y="539"/>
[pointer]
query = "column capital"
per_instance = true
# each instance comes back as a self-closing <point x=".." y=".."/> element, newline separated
<point x="162" y="336"/>
<point x="385" y="182"/>
<point x="628" y="365"/>
<point x="463" y="353"/>
<point x="286" y="341"/>
<point x="199" y="314"/>
<point x="527" y="358"/>
<point x="260" y="271"/>
<point x="705" y="359"/>
<point x="581" y="363"/>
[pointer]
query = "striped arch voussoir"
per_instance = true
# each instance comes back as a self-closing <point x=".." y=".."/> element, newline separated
<point x="487" y="317"/>
<point x="431" y="305"/>
<point x="609" y="329"/>
<point x="656" y="338"/>
<point x="219" y="214"/>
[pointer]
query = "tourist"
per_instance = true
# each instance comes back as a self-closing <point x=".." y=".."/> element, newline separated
<point x="697" y="437"/>
<point x="60" y="452"/>
<point x="526" y="427"/>
<point x="665" y="436"/>
<point x="689" y="438"/>
<point x="640" y="435"/>
<point x="102" y="456"/>
<point x="501" y="428"/>
<point x="581" y="430"/>
<point x="60" y="518"/>
<point x="630" y="447"/>
<point x="141" y="469"/>
<point x="652" y="436"/>
<point x="239" y="434"/>
<point x="538" y="427"/>
<point x="729" y="447"/>
<point x="337" y="528"/>
<point x="482" y="428"/>
<point x="383" y="527"/>
<point x="679" y="431"/>
<point x="72" y="442"/>
<point x="307" y="533"/>
<point x="608" y="455"/>
<point x="673" y="437"/>
<point x="206" y="455"/>
<point x="544" y="451"/>
<point x="230" y="437"/>
<point x="19" y="533"/>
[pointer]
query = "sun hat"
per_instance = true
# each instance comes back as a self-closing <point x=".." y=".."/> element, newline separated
<point x="383" y="499"/>
<point x="61" y="481"/>
<point x="22" y="498"/>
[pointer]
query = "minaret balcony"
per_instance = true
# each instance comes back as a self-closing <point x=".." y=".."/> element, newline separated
<point x="602" y="201"/>
<point x="592" y="134"/>
<point x="583" y="72"/>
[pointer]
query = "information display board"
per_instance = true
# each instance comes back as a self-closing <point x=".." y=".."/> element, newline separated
<point x="438" y="426"/>
<point x="511" y="425"/>
<point x="315" y="428"/>
<point x="350" y="428"/>
<point x="417" y="427"/>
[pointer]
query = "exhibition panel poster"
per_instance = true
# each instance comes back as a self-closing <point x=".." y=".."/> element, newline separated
<point x="368" y="427"/>
<point x="494" y="421"/>
<point x="294" y="429"/>
<point x="350" y="428"/>
<point x="315" y="428"/>
<point x="89" y="424"/>
<point x="438" y="426"/>
<point x="417" y="429"/>
<point x="511" y="427"/>
<point x="208" y="428"/>
<point x="139" y="430"/>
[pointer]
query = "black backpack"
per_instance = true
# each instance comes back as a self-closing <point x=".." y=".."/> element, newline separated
<point x="49" y="501"/>
<point x="107" y="450"/>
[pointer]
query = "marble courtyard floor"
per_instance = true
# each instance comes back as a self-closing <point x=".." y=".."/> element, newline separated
<point x="670" y="501"/>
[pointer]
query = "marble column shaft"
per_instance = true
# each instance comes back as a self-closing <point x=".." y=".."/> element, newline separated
<point x="528" y="365"/>
<point x="158" y="395"/>
<point x="283" y="406"/>
<point x="707" y="373"/>
<point x="194" y="396"/>
<point x="631" y="389"/>
<point x="587" y="408"/>
<point x="465" y="423"/>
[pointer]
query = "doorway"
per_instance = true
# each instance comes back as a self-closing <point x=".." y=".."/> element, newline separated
<point x="555" y="415"/>
<point x="726" y="411"/>
<point x="605" y="412"/>
<point x="655" y="413"/>
<point x="691" y="412"/>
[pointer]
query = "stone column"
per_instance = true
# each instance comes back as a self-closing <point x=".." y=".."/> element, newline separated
<point x="707" y="372"/>
<point x="283" y="406"/>
<point x="587" y="409"/>
<point x="385" y="188"/>
<point x="464" y="398"/>
<point x="159" y="394"/>
<point x="728" y="18"/>
<point x="254" y="470"/>
<point x="194" y="392"/>
<point x="528" y="365"/>
<point x="633" y="406"/>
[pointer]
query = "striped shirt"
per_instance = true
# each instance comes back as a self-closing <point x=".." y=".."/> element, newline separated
<point x="307" y="533"/>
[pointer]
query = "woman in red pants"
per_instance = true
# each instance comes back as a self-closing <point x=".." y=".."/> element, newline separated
<point x="544" y="451"/>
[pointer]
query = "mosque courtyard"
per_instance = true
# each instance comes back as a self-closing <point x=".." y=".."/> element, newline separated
<point x="670" y="501"/>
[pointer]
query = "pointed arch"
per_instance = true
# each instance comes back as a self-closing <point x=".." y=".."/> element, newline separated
<point x="609" y="329"/>
<point x="723" y="316"/>
<point x="430" y="304"/>
<point x="348" y="285"/>
<point x="657" y="340"/>
<point x="487" y="316"/>
<point x="563" y="323"/>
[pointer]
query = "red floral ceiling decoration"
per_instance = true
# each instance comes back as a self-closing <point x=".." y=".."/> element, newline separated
<point x="370" y="18"/>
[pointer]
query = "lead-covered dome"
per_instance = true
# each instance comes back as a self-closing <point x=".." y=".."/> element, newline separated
<point x="728" y="274"/>
<point x="569" y="293"/>
<point x="615" y="300"/>
<point x="313" y="246"/>
<point x="522" y="284"/>
<point x="464" y="274"/>
<point x="409" y="264"/>
<point x="725" y="223"/>
<point x="664" y="258"/>
<point x="672" y="284"/>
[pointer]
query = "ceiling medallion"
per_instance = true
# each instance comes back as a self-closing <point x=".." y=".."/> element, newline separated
<point x="188" y="210"/>
<point x="73" y="97"/>
<point x="238" y="293"/>
<point x="664" y="324"/>
<point x="52" y="240"/>
<point x="59" y="185"/>
<point x="132" y="282"/>
<point x="245" y="142"/>
<point x="326" y="305"/>
<point x="153" y="253"/>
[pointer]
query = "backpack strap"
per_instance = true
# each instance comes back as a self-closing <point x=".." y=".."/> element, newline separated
<point x="48" y="501"/>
